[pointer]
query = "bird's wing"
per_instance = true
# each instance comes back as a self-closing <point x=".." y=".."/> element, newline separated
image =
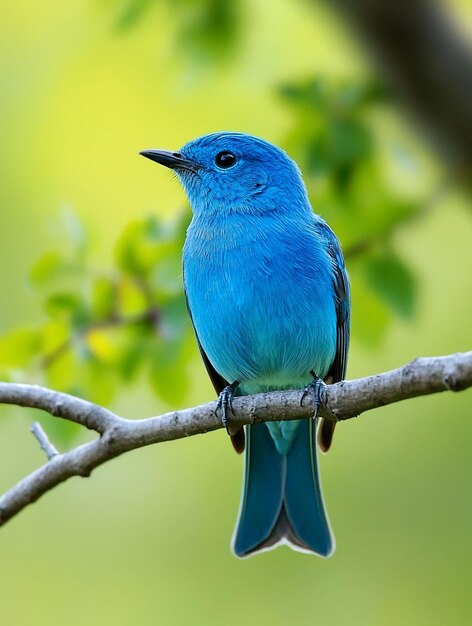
<point x="219" y="383"/>
<point x="337" y="371"/>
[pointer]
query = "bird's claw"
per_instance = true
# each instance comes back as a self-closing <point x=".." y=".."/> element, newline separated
<point x="317" y="387"/>
<point x="225" y="401"/>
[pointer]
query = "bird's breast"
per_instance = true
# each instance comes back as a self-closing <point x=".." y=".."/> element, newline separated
<point x="262" y="304"/>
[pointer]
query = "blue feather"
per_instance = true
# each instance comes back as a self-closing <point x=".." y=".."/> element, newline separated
<point x="281" y="500"/>
<point x="303" y="498"/>
<point x="262" y="496"/>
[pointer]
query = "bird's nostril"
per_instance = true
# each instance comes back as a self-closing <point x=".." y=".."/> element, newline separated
<point x="177" y="155"/>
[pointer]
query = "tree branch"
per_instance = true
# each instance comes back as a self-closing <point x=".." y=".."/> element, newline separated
<point x="118" y="435"/>
<point x="427" y="61"/>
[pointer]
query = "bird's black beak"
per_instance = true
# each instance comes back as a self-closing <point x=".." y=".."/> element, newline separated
<point x="174" y="160"/>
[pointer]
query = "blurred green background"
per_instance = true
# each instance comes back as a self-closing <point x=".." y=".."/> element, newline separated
<point x="90" y="238"/>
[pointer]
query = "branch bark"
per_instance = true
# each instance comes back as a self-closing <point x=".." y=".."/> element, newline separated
<point x="118" y="435"/>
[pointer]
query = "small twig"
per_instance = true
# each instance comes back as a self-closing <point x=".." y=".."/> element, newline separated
<point x="43" y="440"/>
<point x="117" y="435"/>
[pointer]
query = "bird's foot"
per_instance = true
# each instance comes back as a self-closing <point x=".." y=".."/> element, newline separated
<point x="317" y="387"/>
<point x="225" y="404"/>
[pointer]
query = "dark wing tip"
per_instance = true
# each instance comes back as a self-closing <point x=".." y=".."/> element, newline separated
<point x="325" y="434"/>
<point x="239" y="441"/>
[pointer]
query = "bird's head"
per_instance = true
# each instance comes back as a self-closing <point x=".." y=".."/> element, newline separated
<point x="234" y="172"/>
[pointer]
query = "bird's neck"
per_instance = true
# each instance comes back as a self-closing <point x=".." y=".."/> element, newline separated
<point x="225" y="231"/>
<point x="221" y="233"/>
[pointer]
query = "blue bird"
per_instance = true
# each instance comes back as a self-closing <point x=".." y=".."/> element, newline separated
<point x="268" y="295"/>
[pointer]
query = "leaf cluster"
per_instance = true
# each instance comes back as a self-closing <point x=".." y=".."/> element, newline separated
<point x="103" y="328"/>
<point x="348" y="171"/>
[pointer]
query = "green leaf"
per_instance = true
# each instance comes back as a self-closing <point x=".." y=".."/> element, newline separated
<point x="103" y="297"/>
<point x="61" y="372"/>
<point x="392" y="280"/>
<point x="208" y="31"/>
<point x="132" y="13"/>
<point x="349" y="142"/>
<point x="18" y="347"/>
<point x="139" y="246"/>
<point x="78" y="371"/>
<point x="135" y="350"/>
<point x="47" y="268"/>
<point x="54" y="333"/>
<point x="62" y="303"/>
<point x="103" y="344"/>
<point x="97" y="381"/>
<point x="131" y="298"/>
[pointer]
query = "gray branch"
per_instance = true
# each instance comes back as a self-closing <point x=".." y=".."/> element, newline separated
<point x="118" y="435"/>
<point x="43" y="440"/>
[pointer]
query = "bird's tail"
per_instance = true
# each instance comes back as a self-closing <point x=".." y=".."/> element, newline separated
<point x="281" y="500"/>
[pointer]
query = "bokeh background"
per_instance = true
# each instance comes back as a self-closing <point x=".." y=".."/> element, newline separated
<point x="90" y="238"/>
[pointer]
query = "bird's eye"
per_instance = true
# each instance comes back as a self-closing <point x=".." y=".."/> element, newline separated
<point x="225" y="160"/>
